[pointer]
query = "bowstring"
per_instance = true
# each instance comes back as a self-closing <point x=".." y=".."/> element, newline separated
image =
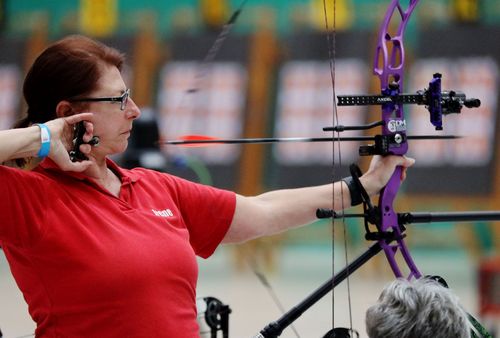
<point x="215" y="48"/>
<point x="203" y="67"/>
<point x="252" y="263"/>
<point x="331" y="42"/>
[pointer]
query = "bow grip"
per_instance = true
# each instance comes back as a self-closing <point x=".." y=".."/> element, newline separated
<point x="388" y="217"/>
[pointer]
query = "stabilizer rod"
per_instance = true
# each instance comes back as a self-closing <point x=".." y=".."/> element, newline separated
<point x="432" y="217"/>
<point x="274" y="329"/>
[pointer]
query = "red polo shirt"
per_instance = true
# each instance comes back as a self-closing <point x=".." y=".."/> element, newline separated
<point x="90" y="264"/>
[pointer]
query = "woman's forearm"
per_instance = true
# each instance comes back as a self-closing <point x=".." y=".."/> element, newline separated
<point x="280" y="210"/>
<point x="19" y="143"/>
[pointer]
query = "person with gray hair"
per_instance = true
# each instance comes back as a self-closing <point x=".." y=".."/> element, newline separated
<point x="421" y="308"/>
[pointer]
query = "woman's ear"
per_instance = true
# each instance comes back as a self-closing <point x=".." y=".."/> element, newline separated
<point x="64" y="109"/>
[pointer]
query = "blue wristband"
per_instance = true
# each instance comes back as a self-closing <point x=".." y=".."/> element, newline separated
<point x="45" y="140"/>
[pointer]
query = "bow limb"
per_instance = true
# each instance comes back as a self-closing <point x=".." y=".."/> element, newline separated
<point x="385" y="65"/>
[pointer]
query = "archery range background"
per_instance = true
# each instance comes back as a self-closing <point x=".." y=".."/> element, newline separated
<point x="271" y="78"/>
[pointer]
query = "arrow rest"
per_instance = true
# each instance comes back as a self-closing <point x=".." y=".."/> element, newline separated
<point x="383" y="144"/>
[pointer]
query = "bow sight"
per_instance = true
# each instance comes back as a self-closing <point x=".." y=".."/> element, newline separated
<point x="437" y="102"/>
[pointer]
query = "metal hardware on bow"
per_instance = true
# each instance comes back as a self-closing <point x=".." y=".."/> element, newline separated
<point x="217" y="316"/>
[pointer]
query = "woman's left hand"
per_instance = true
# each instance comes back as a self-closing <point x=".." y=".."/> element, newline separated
<point x="381" y="169"/>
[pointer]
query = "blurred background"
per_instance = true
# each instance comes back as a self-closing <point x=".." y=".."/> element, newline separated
<point x="270" y="77"/>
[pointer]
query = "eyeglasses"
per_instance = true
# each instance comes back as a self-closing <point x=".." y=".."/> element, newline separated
<point x="123" y="99"/>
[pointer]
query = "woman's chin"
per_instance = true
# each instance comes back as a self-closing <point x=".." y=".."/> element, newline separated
<point x="121" y="148"/>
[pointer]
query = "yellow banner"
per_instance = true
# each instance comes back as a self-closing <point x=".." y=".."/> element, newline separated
<point x="98" y="17"/>
<point x="214" y="12"/>
<point x="466" y="10"/>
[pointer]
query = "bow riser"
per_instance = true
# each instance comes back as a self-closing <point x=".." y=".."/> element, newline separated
<point x="390" y="71"/>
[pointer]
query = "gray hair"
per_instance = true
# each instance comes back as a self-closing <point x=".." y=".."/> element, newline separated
<point x="417" y="309"/>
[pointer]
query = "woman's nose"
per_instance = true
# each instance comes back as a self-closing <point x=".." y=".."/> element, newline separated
<point x="132" y="110"/>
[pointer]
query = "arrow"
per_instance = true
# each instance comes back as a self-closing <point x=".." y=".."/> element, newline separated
<point x="203" y="140"/>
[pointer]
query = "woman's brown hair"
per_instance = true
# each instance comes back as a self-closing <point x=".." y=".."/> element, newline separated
<point x="68" y="68"/>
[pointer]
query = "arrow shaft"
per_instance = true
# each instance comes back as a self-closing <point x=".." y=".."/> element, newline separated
<point x="299" y="139"/>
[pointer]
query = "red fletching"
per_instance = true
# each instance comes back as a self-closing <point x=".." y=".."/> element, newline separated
<point x="198" y="138"/>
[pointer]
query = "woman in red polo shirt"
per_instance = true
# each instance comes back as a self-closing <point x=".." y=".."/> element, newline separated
<point x="102" y="251"/>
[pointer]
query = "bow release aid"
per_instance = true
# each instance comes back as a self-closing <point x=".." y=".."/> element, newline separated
<point x="75" y="154"/>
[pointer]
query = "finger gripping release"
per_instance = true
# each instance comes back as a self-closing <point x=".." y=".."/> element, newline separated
<point x="78" y="131"/>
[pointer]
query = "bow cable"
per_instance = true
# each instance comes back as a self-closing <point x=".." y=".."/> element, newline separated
<point x="331" y="42"/>
<point x="202" y="71"/>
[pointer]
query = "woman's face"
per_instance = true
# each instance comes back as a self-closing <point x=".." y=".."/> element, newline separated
<point x="111" y="123"/>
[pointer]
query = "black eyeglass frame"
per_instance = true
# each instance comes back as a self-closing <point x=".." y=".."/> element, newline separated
<point x="123" y="99"/>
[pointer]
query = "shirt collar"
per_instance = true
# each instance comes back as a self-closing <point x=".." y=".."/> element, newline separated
<point x="125" y="175"/>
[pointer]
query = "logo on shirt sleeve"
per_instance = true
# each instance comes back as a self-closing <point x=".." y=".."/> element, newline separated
<point x="163" y="213"/>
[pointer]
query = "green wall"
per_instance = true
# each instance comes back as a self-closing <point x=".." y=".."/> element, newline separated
<point x="62" y="15"/>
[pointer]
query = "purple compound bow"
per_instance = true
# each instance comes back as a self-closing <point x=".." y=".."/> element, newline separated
<point x="389" y="68"/>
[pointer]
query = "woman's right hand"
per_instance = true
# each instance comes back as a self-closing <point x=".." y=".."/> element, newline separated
<point x="62" y="134"/>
